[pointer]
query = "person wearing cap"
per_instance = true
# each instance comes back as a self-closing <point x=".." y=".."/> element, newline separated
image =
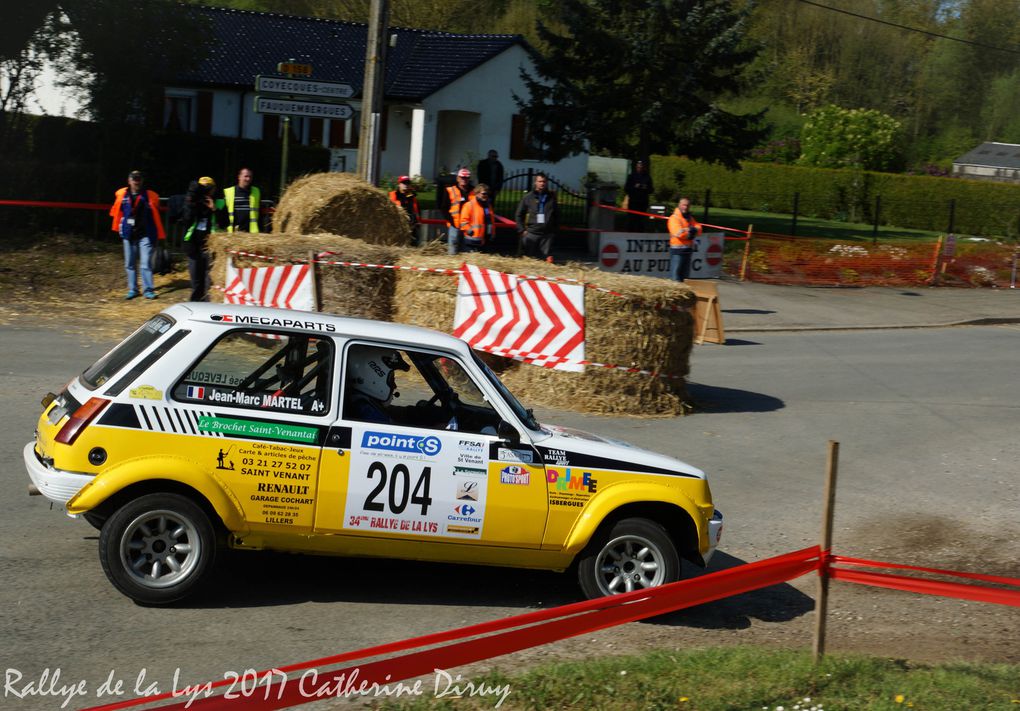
<point x="537" y="220"/>
<point x="202" y="216"/>
<point x="242" y="202"/>
<point x="451" y="202"/>
<point x="405" y="196"/>
<point x="639" y="193"/>
<point x="136" y="219"/>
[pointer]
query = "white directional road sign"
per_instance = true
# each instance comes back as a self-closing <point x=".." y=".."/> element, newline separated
<point x="303" y="87"/>
<point x="291" y="107"/>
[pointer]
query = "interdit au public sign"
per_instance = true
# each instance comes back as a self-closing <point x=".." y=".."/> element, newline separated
<point x="648" y="254"/>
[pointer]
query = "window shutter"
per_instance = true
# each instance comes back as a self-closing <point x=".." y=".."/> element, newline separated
<point x="518" y="129"/>
<point x="315" y="132"/>
<point x="203" y="124"/>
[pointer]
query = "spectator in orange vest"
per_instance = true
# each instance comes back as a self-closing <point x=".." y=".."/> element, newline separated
<point x="478" y="219"/>
<point x="136" y="219"/>
<point x="451" y="201"/>
<point x="405" y="196"/>
<point x="683" y="230"/>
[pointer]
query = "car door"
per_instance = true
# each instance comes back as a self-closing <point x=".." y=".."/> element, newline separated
<point x="415" y="477"/>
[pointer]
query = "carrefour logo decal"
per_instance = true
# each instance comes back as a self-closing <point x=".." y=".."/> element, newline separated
<point x="429" y="446"/>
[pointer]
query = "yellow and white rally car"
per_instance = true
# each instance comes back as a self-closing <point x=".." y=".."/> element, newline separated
<point x="252" y="428"/>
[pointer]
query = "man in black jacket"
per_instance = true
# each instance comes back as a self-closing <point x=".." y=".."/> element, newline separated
<point x="537" y="220"/>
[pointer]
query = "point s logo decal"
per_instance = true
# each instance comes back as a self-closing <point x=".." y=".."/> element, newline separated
<point x="429" y="446"/>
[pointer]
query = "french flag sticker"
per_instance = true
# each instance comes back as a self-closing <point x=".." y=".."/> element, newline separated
<point x="196" y="393"/>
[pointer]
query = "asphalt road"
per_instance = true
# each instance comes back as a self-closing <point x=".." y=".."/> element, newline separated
<point x="928" y="424"/>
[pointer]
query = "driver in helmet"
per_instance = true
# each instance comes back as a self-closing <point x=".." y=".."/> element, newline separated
<point x="372" y="383"/>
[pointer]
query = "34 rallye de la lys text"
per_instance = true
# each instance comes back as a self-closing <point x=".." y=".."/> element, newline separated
<point x="217" y="426"/>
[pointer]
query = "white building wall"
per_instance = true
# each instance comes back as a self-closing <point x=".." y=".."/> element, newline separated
<point x="489" y="90"/>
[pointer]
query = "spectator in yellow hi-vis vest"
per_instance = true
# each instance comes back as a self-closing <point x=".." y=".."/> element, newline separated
<point x="243" y="202"/>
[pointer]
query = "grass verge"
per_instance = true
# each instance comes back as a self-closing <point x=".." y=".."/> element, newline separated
<point x="733" y="678"/>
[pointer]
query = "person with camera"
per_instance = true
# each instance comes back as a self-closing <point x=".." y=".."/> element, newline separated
<point x="136" y="219"/>
<point x="202" y="216"/>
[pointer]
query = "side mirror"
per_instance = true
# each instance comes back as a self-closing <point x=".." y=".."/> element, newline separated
<point x="507" y="432"/>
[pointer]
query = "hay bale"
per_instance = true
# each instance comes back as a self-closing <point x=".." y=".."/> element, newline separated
<point x="345" y="291"/>
<point x="341" y="204"/>
<point x="618" y="331"/>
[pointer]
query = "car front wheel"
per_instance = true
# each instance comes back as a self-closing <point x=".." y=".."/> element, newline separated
<point x="634" y="554"/>
<point x="158" y="548"/>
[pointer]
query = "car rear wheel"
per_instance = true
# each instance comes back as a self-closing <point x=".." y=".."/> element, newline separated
<point x="634" y="554"/>
<point x="158" y="548"/>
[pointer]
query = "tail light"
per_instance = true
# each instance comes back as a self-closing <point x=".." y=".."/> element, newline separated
<point x="80" y="420"/>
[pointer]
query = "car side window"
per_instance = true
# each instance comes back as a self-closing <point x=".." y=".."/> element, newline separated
<point x="414" y="388"/>
<point x="272" y="372"/>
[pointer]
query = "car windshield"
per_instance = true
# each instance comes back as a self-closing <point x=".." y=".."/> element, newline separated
<point x="524" y="414"/>
<point x="108" y="366"/>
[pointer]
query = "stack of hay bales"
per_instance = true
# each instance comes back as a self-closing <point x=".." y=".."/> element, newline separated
<point x="651" y="329"/>
<point x="629" y="332"/>
<point x="341" y="204"/>
<point x="345" y="291"/>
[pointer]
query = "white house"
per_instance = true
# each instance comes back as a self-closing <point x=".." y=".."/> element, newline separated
<point x="990" y="161"/>
<point x="448" y="98"/>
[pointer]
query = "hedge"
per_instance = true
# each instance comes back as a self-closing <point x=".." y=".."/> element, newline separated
<point x="908" y="201"/>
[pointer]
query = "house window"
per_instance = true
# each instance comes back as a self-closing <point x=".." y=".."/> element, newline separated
<point x="179" y="111"/>
<point x="523" y="145"/>
<point x="344" y="134"/>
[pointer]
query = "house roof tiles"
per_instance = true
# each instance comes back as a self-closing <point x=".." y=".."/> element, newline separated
<point x="993" y="155"/>
<point x="245" y="43"/>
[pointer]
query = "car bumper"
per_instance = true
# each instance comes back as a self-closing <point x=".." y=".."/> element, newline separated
<point x="714" y="534"/>
<point x="56" y="485"/>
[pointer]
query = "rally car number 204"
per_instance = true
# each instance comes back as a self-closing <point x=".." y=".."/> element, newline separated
<point x="217" y="426"/>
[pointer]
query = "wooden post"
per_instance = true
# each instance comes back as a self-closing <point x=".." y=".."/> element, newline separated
<point x="315" y="282"/>
<point x="747" y="253"/>
<point x="935" y="262"/>
<point x="372" y="91"/>
<point x="796" y="209"/>
<point x="822" y="603"/>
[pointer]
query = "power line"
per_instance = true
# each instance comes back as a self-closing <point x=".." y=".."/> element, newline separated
<point x="911" y="29"/>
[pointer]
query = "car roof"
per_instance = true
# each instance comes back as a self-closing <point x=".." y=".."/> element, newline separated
<point x="290" y="320"/>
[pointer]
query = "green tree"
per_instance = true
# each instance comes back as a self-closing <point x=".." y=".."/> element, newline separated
<point x="642" y="78"/>
<point x="24" y="45"/>
<point x="834" y="137"/>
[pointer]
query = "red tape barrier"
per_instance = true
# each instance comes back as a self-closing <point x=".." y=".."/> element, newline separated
<point x="962" y="591"/>
<point x="511" y="634"/>
<point x="498" y="637"/>
<point x="87" y="205"/>
<point x="666" y="217"/>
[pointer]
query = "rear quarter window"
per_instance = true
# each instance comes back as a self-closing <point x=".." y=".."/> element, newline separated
<point x="274" y="372"/>
<point x="110" y="364"/>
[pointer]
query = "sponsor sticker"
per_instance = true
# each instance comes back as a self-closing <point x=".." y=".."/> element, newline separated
<point x="463" y="530"/>
<point x="266" y="430"/>
<point x="557" y="457"/>
<point x="515" y="474"/>
<point x="469" y="471"/>
<point x="515" y="455"/>
<point x="467" y="491"/>
<point x="145" y="392"/>
<point x="408" y="444"/>
<point x="471" y="446"/>
<point x="196" y="392"/>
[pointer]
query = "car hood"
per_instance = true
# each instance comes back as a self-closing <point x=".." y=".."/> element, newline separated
<point x="568" y="447"/>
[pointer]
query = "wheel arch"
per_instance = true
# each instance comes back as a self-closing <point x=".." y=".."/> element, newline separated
<point x="678" y="521"/>
<point x="110" y="490"/>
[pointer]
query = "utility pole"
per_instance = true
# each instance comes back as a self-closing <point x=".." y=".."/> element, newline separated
<point x="372" y="92"/>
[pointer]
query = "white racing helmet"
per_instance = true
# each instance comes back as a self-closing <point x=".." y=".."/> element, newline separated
<point x="370" y="371"/>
